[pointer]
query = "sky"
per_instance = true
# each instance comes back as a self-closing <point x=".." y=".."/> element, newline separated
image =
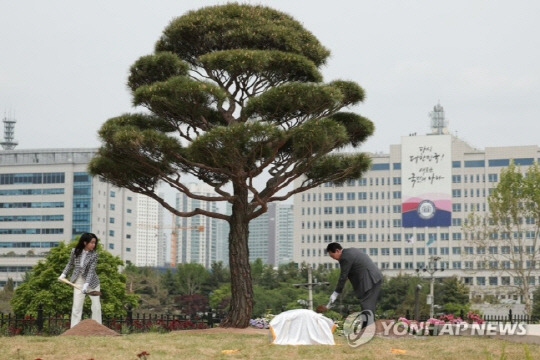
<point x="64" y="64"/>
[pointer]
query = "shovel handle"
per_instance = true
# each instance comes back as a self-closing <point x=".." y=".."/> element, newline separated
<point x="91" y="293"/>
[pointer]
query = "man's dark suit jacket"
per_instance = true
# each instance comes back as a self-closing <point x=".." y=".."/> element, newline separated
<point x="359" y="269"/>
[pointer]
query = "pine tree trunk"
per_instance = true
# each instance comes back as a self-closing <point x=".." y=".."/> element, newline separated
<point x="241" y="285"/>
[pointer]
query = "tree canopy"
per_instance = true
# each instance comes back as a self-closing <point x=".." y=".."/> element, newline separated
<point x="233" y="93"/>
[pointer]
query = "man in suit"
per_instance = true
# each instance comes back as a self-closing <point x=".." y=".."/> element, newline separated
<point x="365" y="276"/>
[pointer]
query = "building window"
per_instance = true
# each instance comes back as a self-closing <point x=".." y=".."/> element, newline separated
<point x="474" y="163"/>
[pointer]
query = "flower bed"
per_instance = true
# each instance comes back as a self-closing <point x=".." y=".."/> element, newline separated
<point x="440" y="326"/>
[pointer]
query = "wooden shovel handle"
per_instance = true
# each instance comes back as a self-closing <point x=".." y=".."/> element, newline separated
<point x="91" y="293"/>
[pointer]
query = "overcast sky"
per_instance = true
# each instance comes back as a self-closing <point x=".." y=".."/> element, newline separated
<point x="64" y="64"/>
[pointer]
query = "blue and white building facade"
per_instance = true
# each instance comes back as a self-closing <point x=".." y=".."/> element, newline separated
<point x="48" y="197"/>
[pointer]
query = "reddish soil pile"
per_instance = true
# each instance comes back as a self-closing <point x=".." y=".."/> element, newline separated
<point x="90" y="327"/>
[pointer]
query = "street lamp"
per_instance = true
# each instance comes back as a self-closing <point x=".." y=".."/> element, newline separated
<point x="431" y="269"/>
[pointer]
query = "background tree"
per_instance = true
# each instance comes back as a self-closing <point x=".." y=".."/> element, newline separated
<point x="41" y="286"/>
<point x="5" y="296"/>
<point x="219" y="274"/>
<point x="506" y="238"/>
<point x="233" y="94"/>
<point x="452" y="295"/>
<point x="147" y="284"/>
<point x="190" y="278"/>
<point x="536" y="304"/>
<point x="398" y="296"/>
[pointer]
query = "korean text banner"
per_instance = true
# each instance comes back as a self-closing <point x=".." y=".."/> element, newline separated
<point x="426" y="181"/>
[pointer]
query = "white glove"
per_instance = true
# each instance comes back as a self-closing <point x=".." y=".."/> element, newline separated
<point x="333" y="297"/>
<point x="63" y="276"/>
<point x="85" y="288"/>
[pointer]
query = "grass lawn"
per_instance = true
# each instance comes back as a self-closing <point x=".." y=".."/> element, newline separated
<point x="209" y="344"/>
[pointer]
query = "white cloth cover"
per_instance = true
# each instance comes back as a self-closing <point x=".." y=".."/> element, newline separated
<point x="302" y="327"/>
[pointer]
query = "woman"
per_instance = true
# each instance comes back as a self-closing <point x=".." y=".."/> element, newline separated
<point x="83" y="259"/>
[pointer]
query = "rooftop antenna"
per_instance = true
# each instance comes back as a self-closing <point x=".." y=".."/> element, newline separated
<point x="9" y="142"/>
<point x="438" y="123"/>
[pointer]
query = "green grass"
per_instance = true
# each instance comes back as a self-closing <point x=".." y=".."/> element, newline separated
<point x="187" y="345"/>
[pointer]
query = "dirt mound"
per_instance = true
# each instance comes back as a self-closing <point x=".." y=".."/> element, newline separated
<point x="90" y="327"/>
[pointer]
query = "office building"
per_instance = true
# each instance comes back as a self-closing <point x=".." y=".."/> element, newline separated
<point x="47" y="196"/>
<point x="409" y="209"/>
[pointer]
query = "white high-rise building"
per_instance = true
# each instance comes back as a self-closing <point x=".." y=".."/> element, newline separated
<point x="271" y="235"/>
<point x="48" y="197"/>
<point x="196" y="238"/>
<point x="149" y="225"/>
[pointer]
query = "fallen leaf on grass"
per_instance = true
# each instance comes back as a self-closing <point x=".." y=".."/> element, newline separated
<point x="398" y="351"/>
<point x="230" y="351"/>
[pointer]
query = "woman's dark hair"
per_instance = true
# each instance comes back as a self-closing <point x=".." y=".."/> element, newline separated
<point x="83" y="240"/>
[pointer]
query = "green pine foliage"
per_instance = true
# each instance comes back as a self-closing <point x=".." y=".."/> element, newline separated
<point x="233" y="96"/>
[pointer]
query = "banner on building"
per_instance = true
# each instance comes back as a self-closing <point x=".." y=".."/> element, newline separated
<point x="426" y="181"/>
